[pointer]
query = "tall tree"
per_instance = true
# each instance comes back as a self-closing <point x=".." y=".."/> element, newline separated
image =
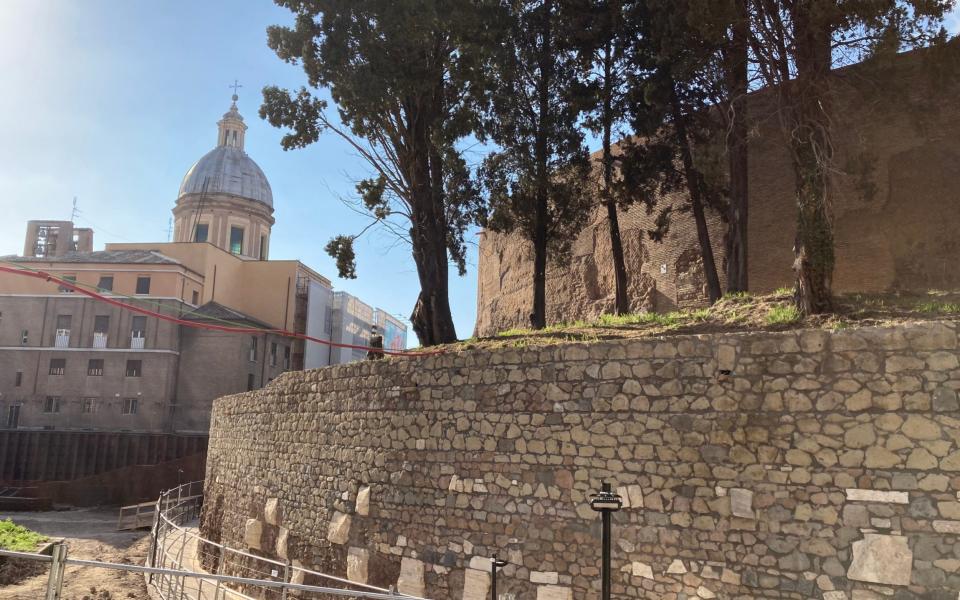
<point x="400" y="75"/>
<point x="538" y="179"/>
<point x="736" y="65"/>
<point x="796" y="44"/>
<point x="604" y="34"/>
<point x="673" y="115"/>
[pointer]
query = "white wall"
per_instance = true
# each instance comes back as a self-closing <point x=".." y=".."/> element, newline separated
<point x="318" y="305"/>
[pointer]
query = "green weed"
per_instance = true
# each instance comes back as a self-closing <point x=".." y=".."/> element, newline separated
<point x="938" y="307"/>
<point x="18" y="539"/>
<point x="783" y="315"/>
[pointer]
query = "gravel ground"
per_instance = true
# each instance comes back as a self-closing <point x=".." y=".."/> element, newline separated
<point x="90" y="534"/>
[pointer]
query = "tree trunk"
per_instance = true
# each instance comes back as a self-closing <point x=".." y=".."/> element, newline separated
<point x="538" y="318"/>
<point x="737" y="153"/>
<point x="694" y="185"/>
<point x="431" y="319"/>
<point x="811" y="152"/>
<point x="622" y="301"/>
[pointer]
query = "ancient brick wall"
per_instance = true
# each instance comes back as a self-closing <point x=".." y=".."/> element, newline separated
<point x="895" y="198"/>
<point x="807" y="464"/>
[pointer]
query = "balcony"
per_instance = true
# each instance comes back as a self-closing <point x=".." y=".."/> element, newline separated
<point x="62" y="340"/>
<point x="137" y="340"/>
<point x="99" y="340"/>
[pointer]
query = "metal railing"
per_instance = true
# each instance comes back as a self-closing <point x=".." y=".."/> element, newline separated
<point x="175" y="565"/>
<point x="241" y="575"/>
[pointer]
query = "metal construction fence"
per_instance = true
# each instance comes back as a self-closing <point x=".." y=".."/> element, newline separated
<point x="179" y="557"/>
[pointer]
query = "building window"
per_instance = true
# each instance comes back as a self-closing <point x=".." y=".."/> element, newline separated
<point x="201" y="233"/>
<point x="130" y="406"/>
<point x="196" y="298"/>
<point x="13" y="416"/>
<point x="143" y="285"/>
<point x="273" y="354"/>
<point x="88" y="405"/>
<point x="67" y="279"/>
<point x="18" y="380"/>
<point x="58" y="366"/>
<point x="286" y="358"/>
<point x="263" y="247"/>
<point x="106" y="283"/>
<point x="95" y="367"/>
<point x="51" y="404"/>
<point x="253" y="348"/>
<point x="24" y="337"/>
<point x="250" y="382"/>
<point x="101" y="323"/>
<point x="134" y="368"/>
<point x="138" y="332"/>
<point x="236" y="240"/>
<point x="62" y="336"/>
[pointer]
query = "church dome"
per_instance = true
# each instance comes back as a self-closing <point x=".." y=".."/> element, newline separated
<point x="227" y="170"/>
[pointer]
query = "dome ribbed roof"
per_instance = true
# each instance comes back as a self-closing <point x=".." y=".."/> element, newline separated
<point x="227" y="170"/>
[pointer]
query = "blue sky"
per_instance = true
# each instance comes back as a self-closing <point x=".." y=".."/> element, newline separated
<point x="111" y="101"/>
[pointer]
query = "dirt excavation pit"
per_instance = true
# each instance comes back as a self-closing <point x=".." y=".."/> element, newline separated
<point x="89" y="534"/>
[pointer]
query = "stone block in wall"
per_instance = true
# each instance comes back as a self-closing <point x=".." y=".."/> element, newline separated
<point x="363" y="501"/>
<point x="297" y="575"/>
<point x="271" y="511"/>
<point x="283" y="543"/>
<point x="881" y="559"/>
<point x="554" y="592"/>
<point x="947" y="527"/>
<point x="741" y="503"/>
<point x="339" y="530"/>
<point x="631" y="495"/>
<point x="411" y="579"/>
<point x="677" y="567"/>
<point x="857" y="495"/>
<point x="252" y="533"/>
<point x="639" y="569"/>
<point x="476" y="585"/>
<point x="358" y="560"/>
<point x="551" y="577"/>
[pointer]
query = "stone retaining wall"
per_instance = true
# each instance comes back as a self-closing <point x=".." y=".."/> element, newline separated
<point x="803" y="464"/>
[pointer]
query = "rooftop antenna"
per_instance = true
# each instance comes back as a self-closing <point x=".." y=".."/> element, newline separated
<point x="75" y="212"/>
<point x="169" y="229"/>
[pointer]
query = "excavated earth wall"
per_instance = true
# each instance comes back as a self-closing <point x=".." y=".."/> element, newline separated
<point x="798" y="464"/>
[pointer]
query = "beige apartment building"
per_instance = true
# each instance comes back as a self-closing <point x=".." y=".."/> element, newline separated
<point x="69" y="361"/>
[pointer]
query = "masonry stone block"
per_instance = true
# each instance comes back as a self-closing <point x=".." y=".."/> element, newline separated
<point x="271" y="511"/>
<point x="252" y="533"/>
<point x="363" y="501"/>
<point x="357" y="564"/>
<point x="476" y="585"/>
<point x="883" y="559"/>
<point x="411" y="580"/>
<point x="554" y="592"/>
<point x="339" y="530"/>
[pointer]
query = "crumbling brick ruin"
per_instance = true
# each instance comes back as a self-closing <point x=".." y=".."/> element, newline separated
<point x="895" y="208"/>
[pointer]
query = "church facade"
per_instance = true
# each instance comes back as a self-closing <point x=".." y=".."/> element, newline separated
<point x="896" y="210"/>
<point x="72" y="362"/>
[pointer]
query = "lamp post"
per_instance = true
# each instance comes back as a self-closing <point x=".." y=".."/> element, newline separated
<point x="495" y="564"/>
<point x="605" y="502"/>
